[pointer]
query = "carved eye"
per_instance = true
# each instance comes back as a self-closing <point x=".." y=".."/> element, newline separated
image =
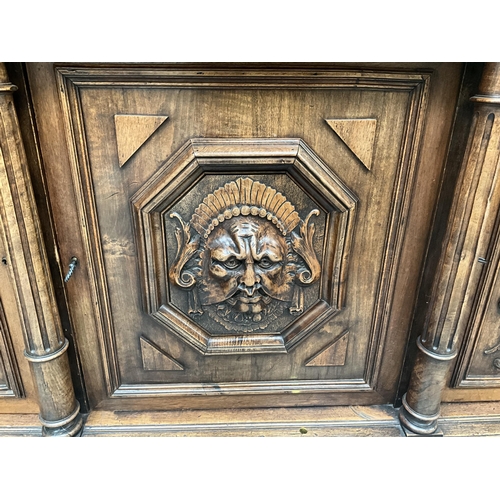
<point x="265" y="263"/>
<point x="231" y="263"/>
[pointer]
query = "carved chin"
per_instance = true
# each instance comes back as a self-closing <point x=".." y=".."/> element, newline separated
<point x="246" y="314"/>
<point x="252" y="308"/>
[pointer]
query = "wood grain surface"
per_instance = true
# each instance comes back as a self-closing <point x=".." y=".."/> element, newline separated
<point x="90" y="196"/>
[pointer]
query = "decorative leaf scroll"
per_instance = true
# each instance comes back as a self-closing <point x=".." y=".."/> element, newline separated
<point x="186" y="248"/>
<point x="304" y="247"/>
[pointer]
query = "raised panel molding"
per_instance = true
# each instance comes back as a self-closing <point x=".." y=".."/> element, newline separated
<point x="358" y="135"/>
<point x="334" y="354"/>
<point x="10" y="379"/>
<point x="132" y="132"/>
<point x="71" y="80"/>
<point x="156" y="359"/>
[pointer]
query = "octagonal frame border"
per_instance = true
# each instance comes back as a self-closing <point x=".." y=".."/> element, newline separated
<point x="199" y="157"/>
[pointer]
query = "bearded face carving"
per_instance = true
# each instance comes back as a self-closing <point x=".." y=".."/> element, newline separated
<point x="240" y="259"/>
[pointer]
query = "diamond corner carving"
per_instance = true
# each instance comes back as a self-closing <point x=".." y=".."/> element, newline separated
<point x="334" y="354"/>
<point x="132" y="132"/>
<point x="156" y="359"/>
<point x="232" y="250"/>
<point x="358" y="134"/>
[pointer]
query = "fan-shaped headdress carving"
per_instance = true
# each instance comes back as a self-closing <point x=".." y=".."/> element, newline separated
<point x="244" y="197"/>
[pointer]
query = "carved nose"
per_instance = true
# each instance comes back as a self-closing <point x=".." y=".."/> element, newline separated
<point x="249" y="277"/>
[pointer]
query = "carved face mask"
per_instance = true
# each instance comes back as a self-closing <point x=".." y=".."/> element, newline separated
<point x="246" y="259"/>
<point x="246" y="263"/>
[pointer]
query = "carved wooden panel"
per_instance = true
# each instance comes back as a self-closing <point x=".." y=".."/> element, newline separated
<point x="473" y="317"/>
<point x="244" y="271"/>
<point x="243" y="237"/>
<point x="479" y="362"/>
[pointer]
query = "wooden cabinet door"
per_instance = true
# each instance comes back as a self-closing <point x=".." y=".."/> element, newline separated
<point x="246" y="236"/>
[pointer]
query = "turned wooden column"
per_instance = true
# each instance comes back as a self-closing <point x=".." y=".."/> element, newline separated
<point x="437" y="346"/>
<point x="44" y="340"/>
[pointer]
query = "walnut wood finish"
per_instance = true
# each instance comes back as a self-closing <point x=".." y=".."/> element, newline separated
<point x="20" y="425"/>
<point x="353" y="421"/>
<point x="153" y="368"/>
<point x="466" y="261"/>
<point x="91" y="192"/>
<point x="244" y="307"/>
<point x="476" y="375"/>
<point x="45" y="344"/>
<point x="469" y="419"/>
<point x="472" y="419"/>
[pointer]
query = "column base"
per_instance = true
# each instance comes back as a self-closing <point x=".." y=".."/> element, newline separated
<point x="71" y="429"/>
<point x="417" y="423"/>
<point x="437" y="433"/>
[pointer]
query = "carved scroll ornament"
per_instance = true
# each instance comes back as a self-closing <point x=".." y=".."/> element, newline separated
<point x="240" y="259"/>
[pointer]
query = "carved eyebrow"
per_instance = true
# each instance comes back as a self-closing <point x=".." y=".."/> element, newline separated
<point x="223" y="254"/>
<point x="272" y="251"/>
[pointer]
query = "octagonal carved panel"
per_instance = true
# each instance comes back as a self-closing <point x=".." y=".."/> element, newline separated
<point x="243" y="243"/>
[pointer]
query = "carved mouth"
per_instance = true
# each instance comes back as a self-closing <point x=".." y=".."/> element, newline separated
<point x="249" y="296"/>
<point x="249" y="300"/>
